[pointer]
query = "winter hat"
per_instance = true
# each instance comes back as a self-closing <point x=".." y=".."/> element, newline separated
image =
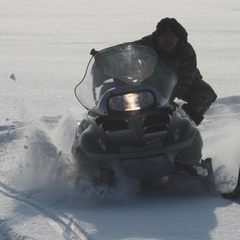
<point x="171" y="26"/>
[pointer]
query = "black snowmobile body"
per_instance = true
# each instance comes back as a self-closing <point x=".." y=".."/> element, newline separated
<point x="131" y="123"/>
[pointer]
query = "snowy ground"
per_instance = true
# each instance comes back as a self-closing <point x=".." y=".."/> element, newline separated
<point x="46" y="45"/>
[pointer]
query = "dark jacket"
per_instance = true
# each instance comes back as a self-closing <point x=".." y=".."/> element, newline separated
<point x="182" y="60"/>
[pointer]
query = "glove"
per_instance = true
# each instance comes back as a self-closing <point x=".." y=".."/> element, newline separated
<point x="196" y="117"/>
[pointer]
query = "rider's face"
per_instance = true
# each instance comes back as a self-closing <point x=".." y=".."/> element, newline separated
<point x="168" y="41"/>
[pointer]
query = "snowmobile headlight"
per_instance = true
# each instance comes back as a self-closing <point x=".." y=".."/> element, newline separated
<point x="131" y="101"/>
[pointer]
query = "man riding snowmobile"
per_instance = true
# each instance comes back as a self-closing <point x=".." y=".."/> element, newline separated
<point x="170" y="42"/>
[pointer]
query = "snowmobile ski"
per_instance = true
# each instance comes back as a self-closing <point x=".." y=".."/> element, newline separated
<point x="235" y="194"/>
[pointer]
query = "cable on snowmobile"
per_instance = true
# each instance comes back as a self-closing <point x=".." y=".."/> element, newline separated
<point x="85" y="73"/>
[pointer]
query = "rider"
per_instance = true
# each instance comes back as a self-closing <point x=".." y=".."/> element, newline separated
<point x="169" y="41"/>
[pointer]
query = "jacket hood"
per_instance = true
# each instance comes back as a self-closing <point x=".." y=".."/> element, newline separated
<point x="171" y="25"/>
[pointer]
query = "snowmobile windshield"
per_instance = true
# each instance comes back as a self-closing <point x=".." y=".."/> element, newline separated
<point x="121" y="66"/>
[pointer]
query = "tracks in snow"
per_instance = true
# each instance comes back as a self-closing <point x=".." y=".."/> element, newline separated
<point x="61" y="223"/>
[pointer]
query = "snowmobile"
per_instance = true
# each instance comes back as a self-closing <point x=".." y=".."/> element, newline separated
<point x="132" y="124"/>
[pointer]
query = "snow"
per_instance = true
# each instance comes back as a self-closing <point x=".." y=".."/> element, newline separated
<point x="46" y="45"/>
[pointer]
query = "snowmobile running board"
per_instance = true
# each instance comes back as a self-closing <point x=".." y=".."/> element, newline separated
<point x="235" y="194"/>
